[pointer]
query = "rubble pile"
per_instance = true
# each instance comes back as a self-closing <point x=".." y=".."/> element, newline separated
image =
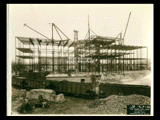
<point x="26" y="101"/>
<point x="59" y="98"/>
<point x="116" y="104"/>
<point x="46" y="94"/>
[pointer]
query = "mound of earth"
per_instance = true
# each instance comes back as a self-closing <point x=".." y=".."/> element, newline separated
<point x="116" y="104"/>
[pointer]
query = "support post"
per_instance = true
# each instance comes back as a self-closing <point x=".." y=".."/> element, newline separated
<point x="123" y="51"/>
<point x="89" y="42"/>
<point x="76" y="51"/>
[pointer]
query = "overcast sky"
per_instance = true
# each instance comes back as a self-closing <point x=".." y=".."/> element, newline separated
<point x="105" y="20"/>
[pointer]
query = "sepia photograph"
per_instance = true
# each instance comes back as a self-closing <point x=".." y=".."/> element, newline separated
<point x="80" y="60"/>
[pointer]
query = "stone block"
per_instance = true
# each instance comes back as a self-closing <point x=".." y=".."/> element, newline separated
<point x="59" y="98"/>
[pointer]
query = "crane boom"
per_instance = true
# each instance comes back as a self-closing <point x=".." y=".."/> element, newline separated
<point x="36" y="31"/>
<point x="126" y="25"/>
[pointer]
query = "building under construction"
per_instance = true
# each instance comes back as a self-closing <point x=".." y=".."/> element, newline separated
<point x="93" y="55"/>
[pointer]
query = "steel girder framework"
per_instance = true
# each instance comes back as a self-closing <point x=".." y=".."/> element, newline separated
<point x="93" y="56"/>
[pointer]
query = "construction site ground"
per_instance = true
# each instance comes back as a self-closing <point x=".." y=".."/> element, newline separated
<point x="113" y="104"/>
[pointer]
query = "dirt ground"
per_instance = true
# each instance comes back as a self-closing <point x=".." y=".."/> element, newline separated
<point x="72" y="105"/>
<point x="113" y="104"/>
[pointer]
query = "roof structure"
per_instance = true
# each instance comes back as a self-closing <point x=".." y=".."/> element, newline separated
<point x="39" y="41"/>
<point x="107" y="43"/>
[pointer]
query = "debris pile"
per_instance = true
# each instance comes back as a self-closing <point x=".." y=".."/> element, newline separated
<point x="116" y="104"/>
<point x="59" y="98"/>
<point x="46" y="94"/>
<point x="26" y="101"/>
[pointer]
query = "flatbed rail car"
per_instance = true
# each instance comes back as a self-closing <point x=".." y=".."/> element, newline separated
<point x="81" y="89"/>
